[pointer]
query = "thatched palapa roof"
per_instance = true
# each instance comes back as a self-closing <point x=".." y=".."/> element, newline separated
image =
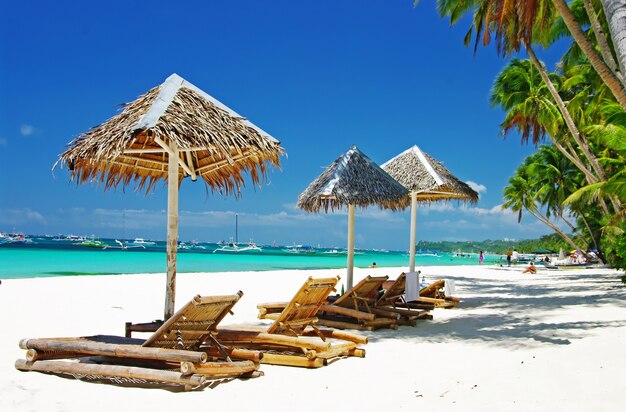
<point x="214" y="142"/>
<point x="353" y="178"/>
<point x="419" y="172"/>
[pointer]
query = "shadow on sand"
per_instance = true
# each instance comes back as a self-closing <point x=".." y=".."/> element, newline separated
<point x="504" y="313"/>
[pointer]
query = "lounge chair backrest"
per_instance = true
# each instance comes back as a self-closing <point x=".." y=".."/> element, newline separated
<point x="365" y="289"/>
<point x="431" y="291"/>
<point x="191" y="325"/>
<point x="301" y="310"/>
<point x="394" y="292"/>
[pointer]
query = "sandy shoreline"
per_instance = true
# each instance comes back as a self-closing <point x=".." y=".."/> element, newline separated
<point x="550" y="341"/>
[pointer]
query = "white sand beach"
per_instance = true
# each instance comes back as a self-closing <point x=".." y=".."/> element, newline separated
<point x="545" y="342"/>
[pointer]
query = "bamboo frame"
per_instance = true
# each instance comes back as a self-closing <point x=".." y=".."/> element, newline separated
<point x="294" y="338"/>
<point x="185" y="341"/>
<point x="116" y="372"/>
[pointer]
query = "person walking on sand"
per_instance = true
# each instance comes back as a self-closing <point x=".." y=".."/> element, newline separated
<point x="481" y="257"/>
<point x="515" y="256"/>
<point x="508" y="257"/>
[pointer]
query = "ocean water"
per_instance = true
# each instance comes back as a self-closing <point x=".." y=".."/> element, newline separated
<point x="45" y="258"/>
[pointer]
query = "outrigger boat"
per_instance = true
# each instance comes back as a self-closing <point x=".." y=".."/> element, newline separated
<point x="233" y="247"/>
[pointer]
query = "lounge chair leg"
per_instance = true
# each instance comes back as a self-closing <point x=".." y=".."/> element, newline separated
<point x="320" y="334"/>
<point x="219" y="347"/>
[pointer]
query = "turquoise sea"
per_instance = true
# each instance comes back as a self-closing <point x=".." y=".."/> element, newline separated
<point x="46" y="257"/>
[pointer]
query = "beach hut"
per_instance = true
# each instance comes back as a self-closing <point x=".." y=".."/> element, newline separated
<point x="427" y="181"/>
<point x="353" y="179"/>
<point x="173" y="131"/>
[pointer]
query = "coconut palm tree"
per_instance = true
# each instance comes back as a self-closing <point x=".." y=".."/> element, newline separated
<point x="516" y="23"/>
<point x="554" y="179"/>
<point x="520" y="90"/>
<point x="612" y="135"/>
<point x="520" y="195"/>
<point x="615" y="12"/>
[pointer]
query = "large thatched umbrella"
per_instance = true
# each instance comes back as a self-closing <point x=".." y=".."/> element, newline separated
<point x="428" y="181"/>
<point x="354" y="180"/>
<point x="173" y="131"/>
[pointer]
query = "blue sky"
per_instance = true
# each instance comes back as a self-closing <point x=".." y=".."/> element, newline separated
<point x="319" y="76"/>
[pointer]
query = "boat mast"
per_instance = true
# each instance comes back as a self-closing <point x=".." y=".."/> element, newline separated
<point x="236" y="228"/>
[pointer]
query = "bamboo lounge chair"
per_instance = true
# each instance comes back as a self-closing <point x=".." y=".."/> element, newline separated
<point x="352" y="310"/>
<point x="355" y="308"/>
<point x="294" y="338"/>
<point x="434" y="293"/>
<point x="392" y="301"/>
<point x="177" y="353"/>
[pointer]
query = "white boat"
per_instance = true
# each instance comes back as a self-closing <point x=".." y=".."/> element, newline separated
<point x="191" y="245"/>
<point x="143" y="242"/>
<point x="251" y="247"/>
<point x="299" y="249"/>
<point x="69" y="238"/>
<point x="14" y="238"/>
<point x="335" y="252"/>
<point x="233" y="247"/>
<point x="123" y="246"/>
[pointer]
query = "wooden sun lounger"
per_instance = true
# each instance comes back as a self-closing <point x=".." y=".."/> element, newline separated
<point x="392" y="301"/>
<point x="177" y="353"/>
<point x="434" y="293"/>
<point x="294" y="338"/>
<point x="355" y="308"/>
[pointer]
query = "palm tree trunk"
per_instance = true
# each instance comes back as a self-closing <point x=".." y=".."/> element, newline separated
<point x="593" y="237"/>
<point x="569" y="121"/>
<point x="552" y="226"/>
<point x="603" y="44"/>
<point x="589" y="177"/>
<point x="574" y="228"/>
<point x="571" y="126"/>
<point x="605" y="73"/>
<point x="615" y="12"/>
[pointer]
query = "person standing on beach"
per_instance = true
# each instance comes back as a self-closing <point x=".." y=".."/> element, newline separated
<point x="515" y="256"/>
<point x="508" y="257"/>
<point x="481" y="257"/>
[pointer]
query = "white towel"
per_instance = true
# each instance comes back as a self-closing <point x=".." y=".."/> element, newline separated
<point x="449" y="288"/>
<point x="411" y="288"/>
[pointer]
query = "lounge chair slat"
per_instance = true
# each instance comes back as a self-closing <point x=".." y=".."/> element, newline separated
<point x="188" y="328"/>
<point x="119" y="374"/>
<point x="85" y="346"/>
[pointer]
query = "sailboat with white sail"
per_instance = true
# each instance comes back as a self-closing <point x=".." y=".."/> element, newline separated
<point x="234" y="247"/>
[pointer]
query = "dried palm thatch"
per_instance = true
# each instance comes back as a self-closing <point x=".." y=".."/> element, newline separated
<point x="420" y="173"/>
<point x="213" y="141"/>
<point x="353" y="178"/>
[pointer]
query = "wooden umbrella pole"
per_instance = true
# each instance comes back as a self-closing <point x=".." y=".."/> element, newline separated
<point x="350" y="246"/>
<point x="172" y="230"/>
<point x="413" y="230"/>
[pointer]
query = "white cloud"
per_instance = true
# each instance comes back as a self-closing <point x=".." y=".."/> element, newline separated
<point x="383" y="215"/>
<point x="477" y="186"/>
<point x="27" y="130"/>
<point x="20" y="217"/>
<point x="436" y="207"/>
<point x="496" y="210"/>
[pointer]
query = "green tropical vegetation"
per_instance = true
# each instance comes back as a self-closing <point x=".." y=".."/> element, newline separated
<point x="552" y="243"/>
<point x="574" y="115"/>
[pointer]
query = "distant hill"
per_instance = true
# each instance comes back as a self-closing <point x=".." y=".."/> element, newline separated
<point x="550" y="242"/>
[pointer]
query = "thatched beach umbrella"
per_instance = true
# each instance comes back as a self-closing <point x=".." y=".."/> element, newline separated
<point x="428" y="181"/>
<point x="353" y="180"/>
<point x="173" y="131"/>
